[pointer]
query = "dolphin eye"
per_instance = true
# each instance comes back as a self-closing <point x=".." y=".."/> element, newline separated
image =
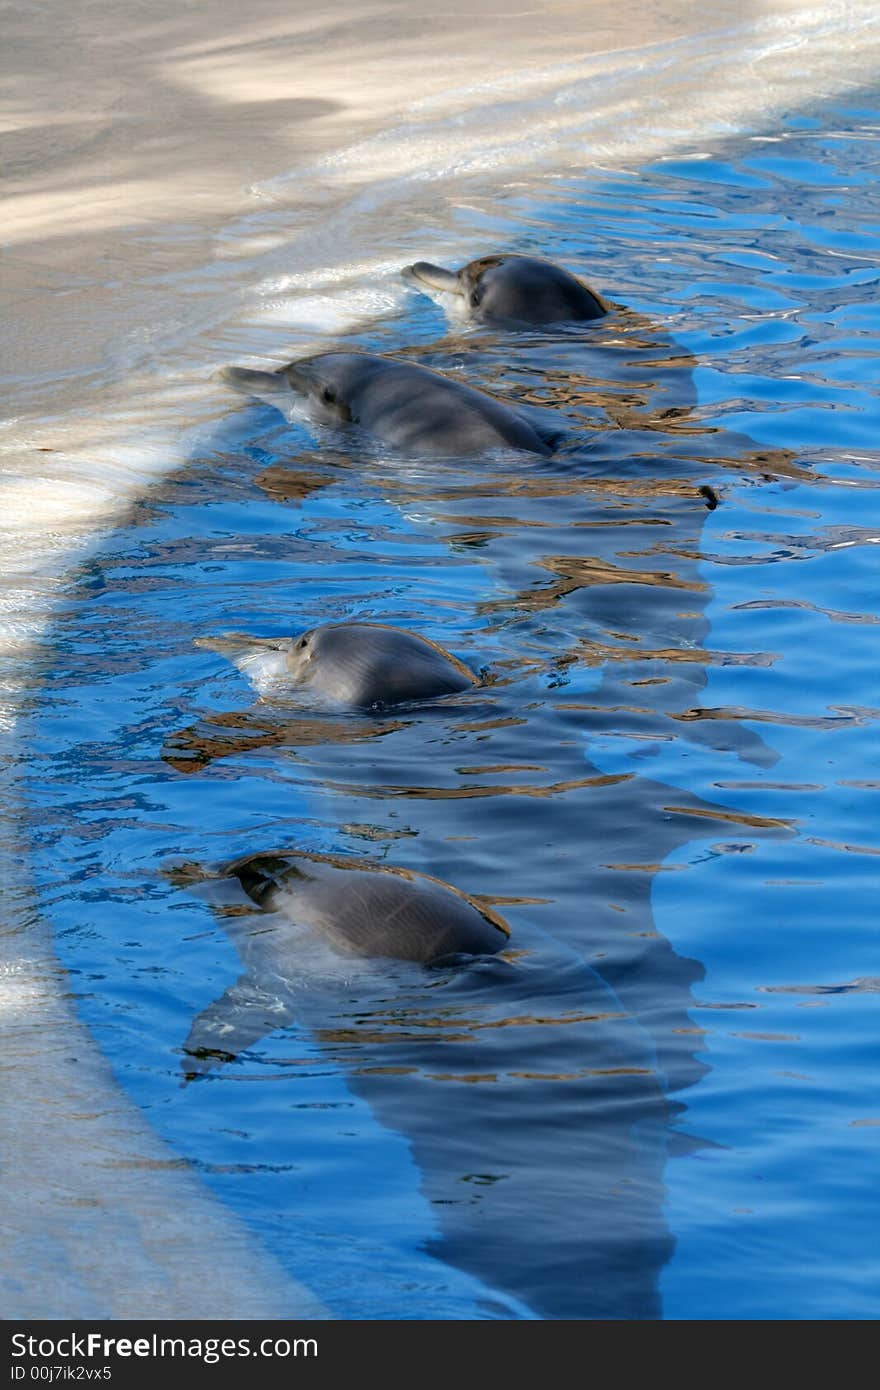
<point x="328" y="395"/>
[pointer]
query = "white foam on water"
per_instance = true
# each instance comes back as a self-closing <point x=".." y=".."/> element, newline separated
<point x="265" y="669"/>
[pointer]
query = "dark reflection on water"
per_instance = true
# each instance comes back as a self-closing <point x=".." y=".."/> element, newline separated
<point x="535" y="1093"/>
<point x="531" y="1101"/>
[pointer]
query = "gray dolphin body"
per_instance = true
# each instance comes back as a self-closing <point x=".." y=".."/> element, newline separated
<point x="513" y="290"/>
<point x="324" y="908"/>
<point x="366" y="909"/>
<point x="412" y="408"/>
<point x="352" y="664"/>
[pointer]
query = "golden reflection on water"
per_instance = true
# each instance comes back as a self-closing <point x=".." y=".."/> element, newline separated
<point x="478" y="790"/>
<point x="439" y="1027"/>
<point x="753" y="822"/>
<point x="244" y="731"/>
<point x="286" y="485"/>
<point x="293" y="484"/>
<point x="647" y="362"/>
<point x="736" y="713"/>
<point x="584" y="572"/>
<point x="593" y="653"/>
<point x="542" y="486"/>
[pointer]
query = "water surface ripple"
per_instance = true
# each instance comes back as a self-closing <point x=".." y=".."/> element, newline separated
<point x="661" y="1101"/>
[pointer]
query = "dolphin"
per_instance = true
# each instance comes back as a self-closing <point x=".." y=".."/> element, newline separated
<point x="411" y="408"/>
<point x="531" y="1099"/>
<point x="314" y="913"/>
<point x="359" y="665"/>
<point x="511" y="290"/>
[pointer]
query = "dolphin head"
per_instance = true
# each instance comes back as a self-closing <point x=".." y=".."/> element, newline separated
<point x="326" y="383"/>
<point x="271" y="664"/>
<point x="512" y="289"/>
<point x="300" y="655"/>
<point x="476" y="282"/>
<point x="470" y="283"/>
<point x="263" y="876"/>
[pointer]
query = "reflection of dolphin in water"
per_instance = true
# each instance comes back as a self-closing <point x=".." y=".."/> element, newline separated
<point x="628" y="367"/>
<point x="586" y="580"/>
<point x="595" y="565"/>
<point x="530" y="1099"/>
<point x="601" y="554"/>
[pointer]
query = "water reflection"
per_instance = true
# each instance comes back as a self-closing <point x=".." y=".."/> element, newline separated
<point x="239" y="731"/>
<point x="513" y="1118"/>
<point x="531" y="1102"/>
<point x="567" y="1058"/>
<point x="535" y="1092"/>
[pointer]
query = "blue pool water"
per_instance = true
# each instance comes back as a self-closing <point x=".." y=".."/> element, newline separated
<point x="664" y="1103"/>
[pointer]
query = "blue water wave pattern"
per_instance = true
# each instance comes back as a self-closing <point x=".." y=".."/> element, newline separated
<point x="663" y="1101"/>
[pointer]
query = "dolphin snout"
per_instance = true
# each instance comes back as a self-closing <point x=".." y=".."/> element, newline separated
<point x="253" y="382"/>
<point x="434" y="276"/>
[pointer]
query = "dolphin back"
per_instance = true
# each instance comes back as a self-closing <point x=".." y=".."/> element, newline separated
<point x="366" y="910"/>
<point x="421" y="411"/>
<point x="370" y="664"/>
